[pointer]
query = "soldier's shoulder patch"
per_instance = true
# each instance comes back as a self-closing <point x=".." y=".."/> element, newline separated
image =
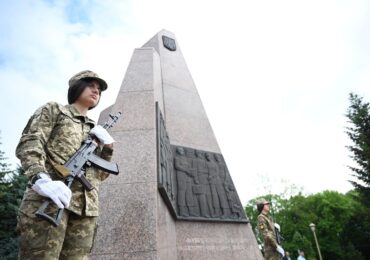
<point x="262" y="226"/>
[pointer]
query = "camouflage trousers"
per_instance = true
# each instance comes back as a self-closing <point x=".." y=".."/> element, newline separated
<point x="38" y="239"/>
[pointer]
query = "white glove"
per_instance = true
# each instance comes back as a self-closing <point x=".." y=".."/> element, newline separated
<point x="57" y="191"/>
<point x="280" y="250"/>
<point x="102" y="134"/>
<point x="277" y="226"/>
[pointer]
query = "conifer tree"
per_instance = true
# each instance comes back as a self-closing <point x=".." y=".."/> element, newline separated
<point x="12" y="186"/>
<point x="359" y="132"/>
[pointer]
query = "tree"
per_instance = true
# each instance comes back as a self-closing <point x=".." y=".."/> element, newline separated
<point x="359" y="132"/>
<point x="332" y="212"/>
<point x="304" y="243"/>
<point x="12" y="186"/>
<point x="4" y="166"/>
<point x="356" y="233"/>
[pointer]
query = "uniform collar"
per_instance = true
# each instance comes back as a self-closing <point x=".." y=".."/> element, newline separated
<point x="75" y="113"/>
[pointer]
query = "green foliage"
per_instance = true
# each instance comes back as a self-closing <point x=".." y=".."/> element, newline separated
<point x="359" y="133"/>
<point x="341" y="228"/>
<point x="357" y="232"/>
<point x="304" y="243"/>
<point x="12" y="186"/>
<point x="4" y="167"/>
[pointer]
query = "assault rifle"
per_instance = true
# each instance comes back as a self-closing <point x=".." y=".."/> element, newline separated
<point x="75" y="167"/>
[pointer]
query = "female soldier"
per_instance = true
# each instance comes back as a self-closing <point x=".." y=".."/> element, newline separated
<point x="53" y="134"/>
<point x="272" y="250"/>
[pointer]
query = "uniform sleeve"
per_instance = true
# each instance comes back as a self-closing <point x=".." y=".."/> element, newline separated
<point x="267" y="234"/>
<point x="30" y="149"/>
<point x="106" y="153"/>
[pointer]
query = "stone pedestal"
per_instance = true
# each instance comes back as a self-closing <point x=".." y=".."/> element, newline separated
<point x="135" y="222"/>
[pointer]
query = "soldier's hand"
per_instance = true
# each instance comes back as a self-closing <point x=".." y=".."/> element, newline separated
<point x="280" y="250"/>
<point x="57" y="191"/>
<point x="277" y="226"/>
<point x="102" y="134"/>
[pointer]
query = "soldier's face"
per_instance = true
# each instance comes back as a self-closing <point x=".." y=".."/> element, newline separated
<point x="90" y="96"/>
<point x="266" y="207"/>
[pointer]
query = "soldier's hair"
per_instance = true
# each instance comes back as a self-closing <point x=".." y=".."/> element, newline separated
<point x="260" y="207"/>
<point x="76" y="89"/>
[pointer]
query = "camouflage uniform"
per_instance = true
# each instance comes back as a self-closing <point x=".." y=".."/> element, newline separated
<point x="267" y="229"/>
<point x="53" y="134"/>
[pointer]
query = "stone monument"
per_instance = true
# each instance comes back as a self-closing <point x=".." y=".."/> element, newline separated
<point x="174" y="197"/>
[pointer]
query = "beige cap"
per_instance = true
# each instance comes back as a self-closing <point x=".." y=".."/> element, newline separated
<point x="88" y="74"/>
<point x="262" y="201"/>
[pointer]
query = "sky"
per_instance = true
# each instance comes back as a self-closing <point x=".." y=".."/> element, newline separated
<point x="274" y="76"/>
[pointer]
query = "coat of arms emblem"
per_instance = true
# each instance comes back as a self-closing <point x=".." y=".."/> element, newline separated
<point x="169" y="43"/>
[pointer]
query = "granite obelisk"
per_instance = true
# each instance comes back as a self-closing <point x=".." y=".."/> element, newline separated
<point x="174" y="197"/>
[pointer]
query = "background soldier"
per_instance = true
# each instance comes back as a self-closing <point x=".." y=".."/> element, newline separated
<point x="272" y="250"/>
<point x="53" y="134"/>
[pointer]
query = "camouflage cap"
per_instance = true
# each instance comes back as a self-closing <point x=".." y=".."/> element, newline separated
<point x="262" y="201"/>
<point x="90" y="75"/>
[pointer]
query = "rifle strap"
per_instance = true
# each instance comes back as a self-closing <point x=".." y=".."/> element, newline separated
<point x="60" y="169"/>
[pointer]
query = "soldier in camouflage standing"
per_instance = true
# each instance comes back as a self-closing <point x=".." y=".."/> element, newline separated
<point x="272" y="250"/>
<point x="53" y="134"/>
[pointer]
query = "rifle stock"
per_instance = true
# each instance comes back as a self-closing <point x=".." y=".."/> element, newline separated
<point x="55" y="221"/>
